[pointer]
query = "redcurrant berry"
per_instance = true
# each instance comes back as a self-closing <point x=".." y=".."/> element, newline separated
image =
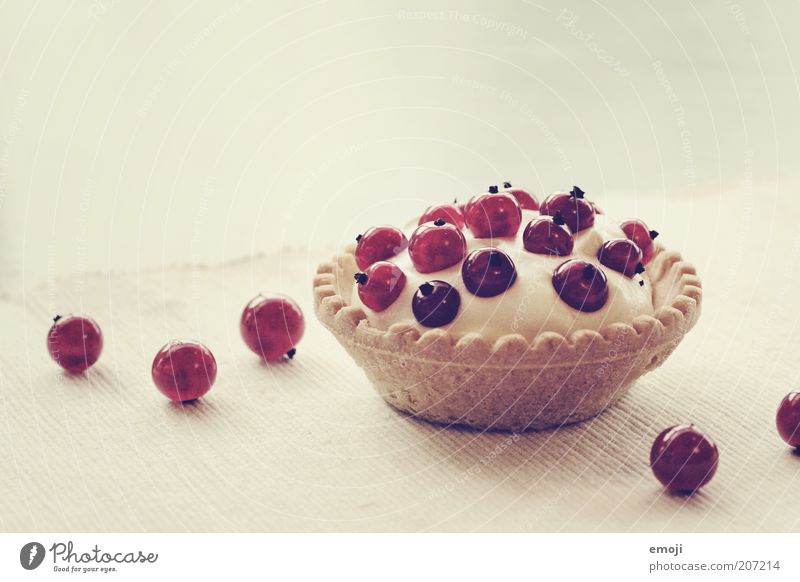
<point x="548" y="235"/>
<point x="525" y="199"/>
<point x="488" y="272"/>
<point x="184" y="370"/>
<point x="436" y="246"/>
<point x="435" y="304"/>
<point x="380" y="285"/>
<point x="272" y="326"/>
<point x="683" y="459"/>
<point x="493" y="215"/>
<point x="378" y="244"/>
<point x="622" y="255"/>
<point x="637" y="231"/>
<point x="578" y="213"/>
<point x="75" y="343"/>
<point x="447" y="212"/>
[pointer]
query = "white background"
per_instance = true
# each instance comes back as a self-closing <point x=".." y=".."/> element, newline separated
<point x="145" y="133"/>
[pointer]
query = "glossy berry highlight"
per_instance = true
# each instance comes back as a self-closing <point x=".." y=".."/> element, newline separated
<point x="622" y="255"/>
<point x="435" y="303"/>
<point x="578" y="213"/>
<point x="184" y="370"/>
<point x="272" y="326"/>
<point x="436" y="245"/>
<point x="548" y="235"/>
<point x="380" y="285"/>
<point x="488" y="272"/>
<point x="788" y="419"/>
<point x="379" y="243"/>
<point x="450" y="213"/>
<point x="493" y="215"/>
<point x="638" y="232"/>
<point x="75" y="343"/>
<point x="683" y="459"/>
<point x="581" y="285"/>
<point x="525" y="199"/>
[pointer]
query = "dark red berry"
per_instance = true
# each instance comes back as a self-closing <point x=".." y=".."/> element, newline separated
<point x="184" y="371"/>
<point x="493" y="215"/>
<point x="525" y="199"/>
<point x="378" y="244"/>
<point x="548" y="235"/>
<point x="488" y="272"/>
<point x="272" y="326"/>
<point x="578" y="213"/>
<point x="683" y="459"/>
<point x="435" y="303"/>
<point x="788" y="419"/>
<point x="447" y="212"/>
<point x="380" y="285"/>
<point x="637" y="231"/>
<point x="75" y="343"/>
<point x="622" y="255"/>
<point x="581" y="285"/>
<point x="436" y="245"/>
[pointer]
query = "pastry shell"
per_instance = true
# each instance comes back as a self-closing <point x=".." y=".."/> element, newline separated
<point x="510" y="383"/>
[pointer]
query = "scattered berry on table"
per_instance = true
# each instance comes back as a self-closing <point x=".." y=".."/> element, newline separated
<point x="683" y="459"/>
<point x="272" y="326"/>
<point x="184" y="370"/>
<point x="581" y="285"/>
<point x="74" y="342"/>
<point x="380" y="285"/>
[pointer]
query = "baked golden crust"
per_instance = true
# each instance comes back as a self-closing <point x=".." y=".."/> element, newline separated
<point x="510" y="383"/>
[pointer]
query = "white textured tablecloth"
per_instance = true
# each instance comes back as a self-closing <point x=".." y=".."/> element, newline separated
<point x="308" y="445"/>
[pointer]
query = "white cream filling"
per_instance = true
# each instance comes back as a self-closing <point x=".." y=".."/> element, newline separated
<point x="531" y="305"/>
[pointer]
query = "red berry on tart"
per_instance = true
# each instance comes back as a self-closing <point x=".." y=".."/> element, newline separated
<point x="435" y="303"/>
<point x="488" y="272"/>
<point x="447" y="212"/>
<point x="622" y="255"/>
<point x="379" y="243"/>
<point x="380" y="285"/>
<point x="436" y="245"/>
<point x="788" y="419"/>
<point x="525" y="199"/>
<point x="493" y="215"/>
<point x="548" y="235"/>
<point x="581" y="285"/>
<point x="578" y="213"/>
<point x="637" y="231"/>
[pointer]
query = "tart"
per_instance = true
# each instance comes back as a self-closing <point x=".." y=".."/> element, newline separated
<point x="506" y="314"/>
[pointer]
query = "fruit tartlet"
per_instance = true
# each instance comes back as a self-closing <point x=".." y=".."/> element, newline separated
<point x="506" y="314"/>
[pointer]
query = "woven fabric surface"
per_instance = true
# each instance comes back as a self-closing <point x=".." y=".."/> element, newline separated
<point x="308" y="445"/>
